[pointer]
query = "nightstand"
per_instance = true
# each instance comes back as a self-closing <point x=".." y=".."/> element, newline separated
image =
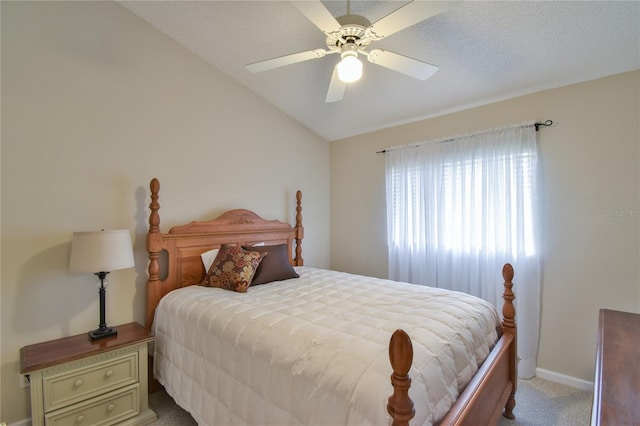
<point x="78" y="382"/>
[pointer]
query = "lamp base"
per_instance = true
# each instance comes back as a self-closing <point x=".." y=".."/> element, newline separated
<point x="102" y="333"/>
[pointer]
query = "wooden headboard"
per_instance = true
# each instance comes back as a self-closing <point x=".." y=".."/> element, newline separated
<point x="182" y="246"/>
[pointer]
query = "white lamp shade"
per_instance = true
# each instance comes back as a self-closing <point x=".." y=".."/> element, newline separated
<point x="101" y="251"/>
<point x="349" y="69"/>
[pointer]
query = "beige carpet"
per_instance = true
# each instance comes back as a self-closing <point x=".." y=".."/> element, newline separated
<point x="169" y="413"/>
<point x="538" y="402"/>
<point x="541" y="402"/>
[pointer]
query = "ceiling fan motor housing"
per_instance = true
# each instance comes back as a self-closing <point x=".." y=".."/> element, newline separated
<point x="353" y="30"/>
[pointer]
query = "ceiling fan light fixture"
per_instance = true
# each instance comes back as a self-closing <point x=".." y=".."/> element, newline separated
<point x="350" y="67"/>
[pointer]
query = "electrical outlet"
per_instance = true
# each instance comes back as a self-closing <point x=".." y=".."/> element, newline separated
<point x="24" y="381"/>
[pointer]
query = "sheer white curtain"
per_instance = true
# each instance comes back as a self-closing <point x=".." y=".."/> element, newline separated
<point x="458" y="209"/>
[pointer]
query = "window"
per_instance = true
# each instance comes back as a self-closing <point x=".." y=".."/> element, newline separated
<point x="457" y="210"/>
<point x="464" y="193"/>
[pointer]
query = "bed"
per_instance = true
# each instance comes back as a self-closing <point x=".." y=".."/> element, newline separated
<point x="317" y="347"/>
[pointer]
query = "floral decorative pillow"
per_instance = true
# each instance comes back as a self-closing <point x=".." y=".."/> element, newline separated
<point x="233" y="269"/>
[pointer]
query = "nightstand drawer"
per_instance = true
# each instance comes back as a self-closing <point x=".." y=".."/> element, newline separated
<point x="87" y="379"/>
<point x="108" y="409"/>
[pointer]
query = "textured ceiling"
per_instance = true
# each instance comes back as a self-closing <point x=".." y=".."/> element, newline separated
<point x="486" y="51"/>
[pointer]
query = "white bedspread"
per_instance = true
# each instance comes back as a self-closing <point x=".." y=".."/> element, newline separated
<point x="314" y="350"/>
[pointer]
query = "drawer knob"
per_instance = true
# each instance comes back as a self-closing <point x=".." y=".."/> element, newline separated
<point x="78" y="383"/>
<point x="108" y="374"/>
<point x="110" y="407"/>
<point x="80" y="419"/>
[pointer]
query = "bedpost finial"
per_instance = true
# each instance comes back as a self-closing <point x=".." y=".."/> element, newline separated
<point x="154" y="186"/>
<point x="507" y="272"/>
<point x="400" y="352"/>
<point x="508" y="309"/>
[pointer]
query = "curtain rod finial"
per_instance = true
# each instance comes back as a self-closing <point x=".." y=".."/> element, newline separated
<point x="546" y="124"/>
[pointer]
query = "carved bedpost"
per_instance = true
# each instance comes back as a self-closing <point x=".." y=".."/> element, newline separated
<point x="154" y="246"/>
<point x="509" y="326"/>
<point x="400" y="406"/>
<point x="298" y="260"/>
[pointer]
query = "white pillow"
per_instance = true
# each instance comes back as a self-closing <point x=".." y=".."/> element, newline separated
<point x="208" y="257"/>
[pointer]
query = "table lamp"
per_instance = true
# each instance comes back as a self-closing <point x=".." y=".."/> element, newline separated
<point x="101" y="252"/>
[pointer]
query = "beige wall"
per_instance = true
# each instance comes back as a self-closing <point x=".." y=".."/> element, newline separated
<point x="95" y="103"/>
<point x="591" y="172"/>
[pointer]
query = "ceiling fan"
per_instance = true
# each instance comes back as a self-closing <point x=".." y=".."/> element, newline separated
<point x="351" y="35"/>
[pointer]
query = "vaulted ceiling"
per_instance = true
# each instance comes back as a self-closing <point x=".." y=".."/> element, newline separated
<point x="486" y="51"/>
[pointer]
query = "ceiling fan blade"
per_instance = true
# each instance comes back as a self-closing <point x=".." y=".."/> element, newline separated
<point x="319" y="15"/>
<point x="406" y="16"/>
<point x="336" y="87"/>
<point x="405" y="65"/>
<point x="286" y="60"/>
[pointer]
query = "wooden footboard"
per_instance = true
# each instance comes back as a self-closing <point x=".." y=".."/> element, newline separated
<point x="490" y="392"/>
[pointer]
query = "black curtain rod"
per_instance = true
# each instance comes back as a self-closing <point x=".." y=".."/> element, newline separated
<point x="537" y="125"/>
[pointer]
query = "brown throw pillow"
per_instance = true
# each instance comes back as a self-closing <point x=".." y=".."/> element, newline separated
<point x="274" y="267"/>
<point x="233" y="269"/>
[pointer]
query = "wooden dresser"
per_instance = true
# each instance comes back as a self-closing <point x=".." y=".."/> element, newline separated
<point x="616" y="393"/>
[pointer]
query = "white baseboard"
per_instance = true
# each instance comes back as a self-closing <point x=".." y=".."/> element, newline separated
<point x="552" y="376"/>
<point x="25" y="422"/>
